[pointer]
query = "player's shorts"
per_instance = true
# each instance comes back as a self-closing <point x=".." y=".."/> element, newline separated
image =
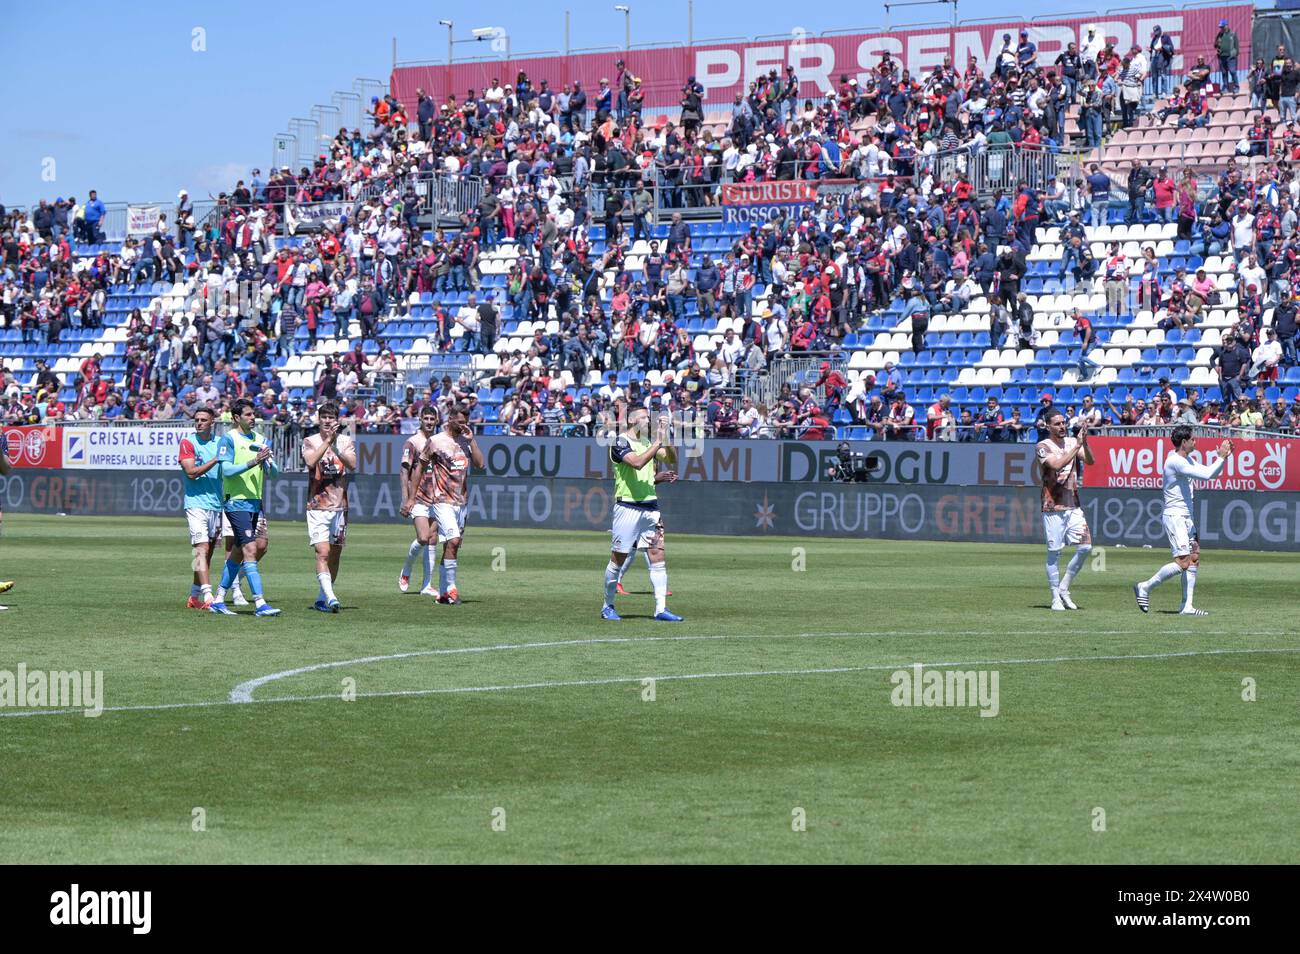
<point x="635" y="528"/>
<point x="327" y="526"/>
<point x="204" y="525"/>
<point x="1181" y="532"/>
<point x="1065" y="527"/>
<point x="245" y="526"/>
<point x="450" y="520"/>
<point x="422" y="510"/>
<point x="260" y="529"/>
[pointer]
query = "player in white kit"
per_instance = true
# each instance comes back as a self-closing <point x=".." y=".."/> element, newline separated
<point x="1179" y="472"/>
<point x="1059" y="459"/>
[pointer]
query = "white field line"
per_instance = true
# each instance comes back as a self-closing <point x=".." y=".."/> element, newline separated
<point x="244" y="691"/>
<point x="247" y="687"/>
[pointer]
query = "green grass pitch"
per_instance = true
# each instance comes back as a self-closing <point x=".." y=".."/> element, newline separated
<point x="789" y="706"/>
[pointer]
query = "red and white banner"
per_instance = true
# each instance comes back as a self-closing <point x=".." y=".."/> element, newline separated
<point x="1138" y="463"/>
<point x="768" y="193"/>
<point x="819" y="61"/>
<point x="34" y="445"/>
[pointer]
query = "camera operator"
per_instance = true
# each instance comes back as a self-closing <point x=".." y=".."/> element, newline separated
<point x="848" y="467"/>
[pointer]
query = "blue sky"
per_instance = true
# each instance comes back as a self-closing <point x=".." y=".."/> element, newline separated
<point x="116" y="96"/>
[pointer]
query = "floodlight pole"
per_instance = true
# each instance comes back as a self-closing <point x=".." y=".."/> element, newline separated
<point x="922" y="3"/>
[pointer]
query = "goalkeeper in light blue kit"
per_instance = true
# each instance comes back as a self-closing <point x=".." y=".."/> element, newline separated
<point x="245" y="462"/>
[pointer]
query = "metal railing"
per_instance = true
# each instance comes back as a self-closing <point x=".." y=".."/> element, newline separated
<point x="797" y="370"/>
<point x="447" y="197"/>
<point x="285" y="440"/>
<point x="284" y="150"/>
<point x="420" y="371"/>
<point x="988" y="170"/>
<point x="113" y="225"/>
<point x="307" y="140"/>
<point x="994" y="169"/>
<point x="351" y="110"/>
<point x="1212" y="431"/>
<point x="308" y="136"/>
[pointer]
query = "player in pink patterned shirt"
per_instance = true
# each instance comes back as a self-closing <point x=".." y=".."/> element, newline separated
<point x="330" y="457"/>
<point x="1060" y="458"/>
<point x="424" y="545"/>
<point x="448" y="456"/>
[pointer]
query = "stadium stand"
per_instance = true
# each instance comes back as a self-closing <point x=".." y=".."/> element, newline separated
<point x="549" y="292"/>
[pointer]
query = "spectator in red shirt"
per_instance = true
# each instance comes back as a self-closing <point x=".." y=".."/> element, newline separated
<point x="1166" y="190"/>
<point x="834" y="382"/>
<point x="89" y="371"/>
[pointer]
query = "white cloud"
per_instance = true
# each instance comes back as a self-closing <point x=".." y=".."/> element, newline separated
<point x="220" y="177"/>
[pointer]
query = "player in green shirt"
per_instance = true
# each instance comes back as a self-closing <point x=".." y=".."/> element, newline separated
<point x="635" y="517"/>
<point x="246" y="462"/>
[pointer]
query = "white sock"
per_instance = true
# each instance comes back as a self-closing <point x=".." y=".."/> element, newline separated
<point x="447" y="575"/>
<point x="326" y="586"/>
<point x="1074" y="566"/>
<point x="206" y="591"/>
<point x="659" y="581"/>
<point x="622" y="570"/>
<point x="412" y="552"/>
<point x="1189" y="586"/>
<point x="1165" y="572"/>
<point x="221" y="595"/>
<point x="612" y="575"/>
<point x="1053" y="570"/>
<point x="259" y="601"/>
<point x="430" y="561"/>
<point x="235" y="590"/>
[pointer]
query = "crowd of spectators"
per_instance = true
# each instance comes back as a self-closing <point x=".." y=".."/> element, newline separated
<point x="893" y="418"/>
<point x="553" y="165"/>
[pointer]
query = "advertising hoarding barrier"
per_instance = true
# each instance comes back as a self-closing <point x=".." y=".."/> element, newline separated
<point x="979" y="514"/>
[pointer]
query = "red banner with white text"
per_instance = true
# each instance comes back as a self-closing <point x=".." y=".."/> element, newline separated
<point x="726" y="69"/>
<point x="1138" y="463"/>
<point x="768" y="193"/>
